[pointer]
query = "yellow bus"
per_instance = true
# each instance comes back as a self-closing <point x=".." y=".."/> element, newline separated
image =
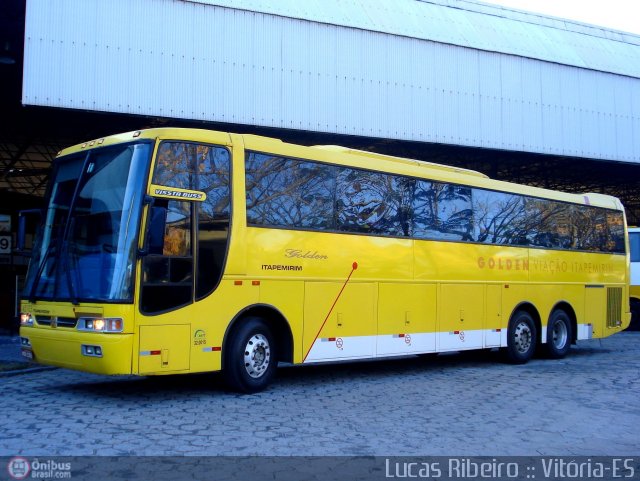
<point x="172" y="251"/>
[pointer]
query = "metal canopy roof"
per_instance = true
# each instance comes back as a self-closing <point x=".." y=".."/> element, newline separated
<point x="24" y="166"/>
<point x="470" y="24"/>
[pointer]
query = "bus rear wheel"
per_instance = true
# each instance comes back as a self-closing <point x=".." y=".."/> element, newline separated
<point x="521" y="338"/>
<point x="559" y="335"/>
<point x="249" y="357"/>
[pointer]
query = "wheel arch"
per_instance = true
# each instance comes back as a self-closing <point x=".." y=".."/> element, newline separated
<point x="276" y="321"/>
<point x="566" y="307"/>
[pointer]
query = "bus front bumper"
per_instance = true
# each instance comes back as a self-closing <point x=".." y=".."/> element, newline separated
<point x="83" y="351"/>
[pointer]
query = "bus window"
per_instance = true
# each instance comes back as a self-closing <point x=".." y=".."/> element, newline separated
<point x="289" y="193"/>
<point x="499" y="218"/>
<point x="214" y="216"/>
<point x="370" y="203"/>
<point x="442" y="211"/>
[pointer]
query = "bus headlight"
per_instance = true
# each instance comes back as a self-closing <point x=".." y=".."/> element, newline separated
<point x="110" y="324"/>
<point x="26" y="319"/>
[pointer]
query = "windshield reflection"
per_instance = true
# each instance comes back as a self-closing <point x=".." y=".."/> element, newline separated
<point x="86" y="245"/>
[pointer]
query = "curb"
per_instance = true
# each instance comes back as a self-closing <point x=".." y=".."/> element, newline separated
<point x="28" y="370"/>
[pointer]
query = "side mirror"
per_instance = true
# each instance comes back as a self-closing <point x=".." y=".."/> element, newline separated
<point x="23" y="217"/>
<point x="154" y="239"/>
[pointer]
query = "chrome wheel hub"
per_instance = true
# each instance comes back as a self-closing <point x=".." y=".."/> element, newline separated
<point x="257" y="355"/>
<point x="559" y="335"/>
<point x="523" y="337"/>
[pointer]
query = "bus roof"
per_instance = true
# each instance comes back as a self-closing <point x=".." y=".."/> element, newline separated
<point x="391" y="158"/>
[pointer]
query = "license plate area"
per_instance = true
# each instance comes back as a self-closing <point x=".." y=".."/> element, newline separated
<point x="27" y="353"/>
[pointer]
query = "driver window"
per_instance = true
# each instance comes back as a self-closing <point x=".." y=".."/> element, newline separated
<point x="177" y="231"/>
<point x="180" y="230"/>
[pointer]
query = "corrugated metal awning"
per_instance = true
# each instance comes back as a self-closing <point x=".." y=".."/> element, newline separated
<point x="469" y="24"/>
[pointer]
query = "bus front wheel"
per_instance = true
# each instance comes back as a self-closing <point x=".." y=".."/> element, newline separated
<point x="249" y="357"/>
<point x="559" y="335"/>
<point x="521" y="338"/>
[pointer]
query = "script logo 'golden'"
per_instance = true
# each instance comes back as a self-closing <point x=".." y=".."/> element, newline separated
<point x="299" y="254"/>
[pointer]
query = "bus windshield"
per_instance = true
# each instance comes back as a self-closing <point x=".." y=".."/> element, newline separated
<point x="87" y="240"/>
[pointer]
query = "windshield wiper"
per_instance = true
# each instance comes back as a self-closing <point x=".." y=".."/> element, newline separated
<point x="52" y="249"/>
<point x="65" y="262"/>
<point x="67" y="228"/>
<point x="38" y="276"/>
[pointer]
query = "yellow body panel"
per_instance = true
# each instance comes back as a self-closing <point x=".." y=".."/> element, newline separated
<point x="405" y="307"/>
<point x="164" y="349"/>
<point x="346" y="296"/>
<point x="461" y="315"/>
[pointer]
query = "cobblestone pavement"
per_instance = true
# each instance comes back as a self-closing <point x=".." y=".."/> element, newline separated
<point x="462" y="404"/>
<point x="10" y="349"/>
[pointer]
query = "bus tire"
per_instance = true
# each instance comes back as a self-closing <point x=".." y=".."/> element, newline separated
<point x="521" y="338"/>
<point x="250" y="360"/>
<point x="559" y="335"/>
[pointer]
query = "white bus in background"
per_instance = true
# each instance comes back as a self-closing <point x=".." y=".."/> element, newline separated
<point x="634" y="279"/>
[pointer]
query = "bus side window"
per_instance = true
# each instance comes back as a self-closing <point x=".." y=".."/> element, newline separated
<point x="213" y="218"/>
<point x="177" y="230"/>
